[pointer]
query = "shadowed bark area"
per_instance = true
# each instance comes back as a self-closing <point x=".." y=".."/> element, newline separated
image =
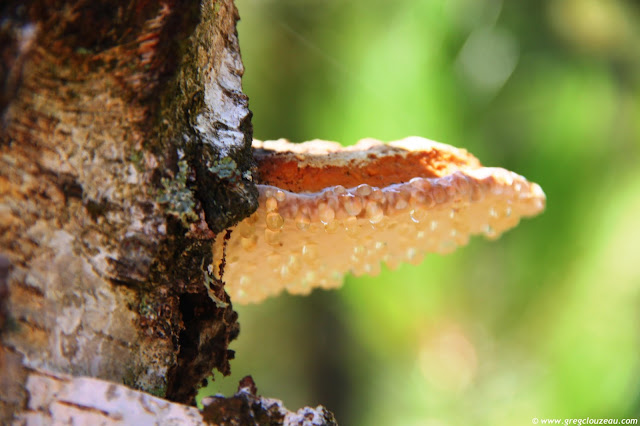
<point x="124" y="147"/>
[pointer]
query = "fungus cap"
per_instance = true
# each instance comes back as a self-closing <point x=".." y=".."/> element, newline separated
<point x="325" y="210"/>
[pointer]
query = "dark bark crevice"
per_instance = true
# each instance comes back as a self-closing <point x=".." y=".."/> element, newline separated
<point x="118" y="166"/>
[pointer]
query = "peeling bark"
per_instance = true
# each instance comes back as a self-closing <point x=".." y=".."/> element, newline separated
<point x="124" y="148"/>
<point x="80" y="226"/>
<point x="61" y="399"/>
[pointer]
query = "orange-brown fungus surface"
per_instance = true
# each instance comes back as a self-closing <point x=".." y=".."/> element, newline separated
<point x="325" y="210"/>
<point x="330" y="164"/>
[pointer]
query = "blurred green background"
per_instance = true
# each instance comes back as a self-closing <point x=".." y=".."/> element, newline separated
<point x="544" y="322"/>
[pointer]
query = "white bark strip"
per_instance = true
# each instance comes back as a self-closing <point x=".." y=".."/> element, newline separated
<point x="60" y="399"/>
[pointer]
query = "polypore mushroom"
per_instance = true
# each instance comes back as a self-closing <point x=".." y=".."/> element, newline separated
<point x="326" y="210"/>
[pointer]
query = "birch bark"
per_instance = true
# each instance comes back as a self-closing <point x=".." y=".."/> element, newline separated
<point x="124" y="148"/>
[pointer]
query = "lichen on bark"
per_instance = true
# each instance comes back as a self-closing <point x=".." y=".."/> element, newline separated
<point x="103" y="281"/>
<point x="124" y="148"/>
<point x="216" y="132"/>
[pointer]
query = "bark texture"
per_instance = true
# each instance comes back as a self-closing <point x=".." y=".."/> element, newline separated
<point x="62" y="399"/>
<point x="124" y="149"/>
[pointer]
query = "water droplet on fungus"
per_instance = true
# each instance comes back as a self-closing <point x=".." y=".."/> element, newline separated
<point x="358" y="206"/>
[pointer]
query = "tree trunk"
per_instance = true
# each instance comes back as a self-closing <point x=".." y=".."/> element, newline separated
<point x="124" y="152"/>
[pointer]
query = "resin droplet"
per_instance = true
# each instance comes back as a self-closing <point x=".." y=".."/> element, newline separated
<point x="358" y="207"/>
<point x="353" y="206"/>
<point x="302" y="221"/>
<point x="271" y="204"/>
<point x="274" y="221"/>
<point x="374" y="212"/>
<point x="249" y="243"/>
<point x="363" y="190"/>
<point x="401" y="204"/>
<point x="326" y="213"/>
<point x="272" y="237"/>
<point x="332" y="227"/>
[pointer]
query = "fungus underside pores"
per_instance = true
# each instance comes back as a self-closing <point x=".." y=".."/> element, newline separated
<point x="325" y="210"/>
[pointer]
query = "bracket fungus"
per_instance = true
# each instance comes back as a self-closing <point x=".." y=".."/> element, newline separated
<point x="325" y="210"/>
